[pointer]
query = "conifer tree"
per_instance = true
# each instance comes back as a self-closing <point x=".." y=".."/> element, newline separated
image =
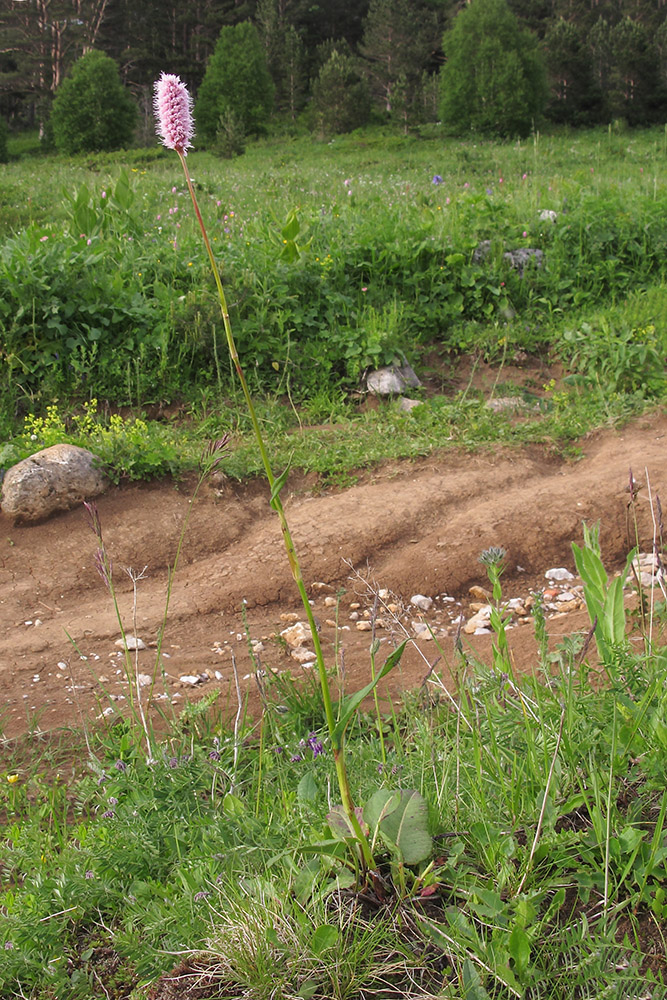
<point x="237" y="79"/>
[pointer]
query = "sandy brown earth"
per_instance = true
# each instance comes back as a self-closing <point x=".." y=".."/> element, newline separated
<point x="410" y="528"/>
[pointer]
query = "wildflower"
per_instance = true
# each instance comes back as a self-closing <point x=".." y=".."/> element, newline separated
<point x="437" y="179"/>
<point x="173" y="762"/>
<point x="113" y="801"/>
<point x="120" y="765"/>
<point x="296" y="758"/>
<point x="173" y="110"/>
<point x="90" y="874"/>
<point x="9" y="945"/>
<point x="109" y="814"/>
<point x="201" y="895"/>
<point x="524" y="233"/>
<point x="12" y="778"/>
<point x="315" y="745"/>
<point x="43" y="239"/>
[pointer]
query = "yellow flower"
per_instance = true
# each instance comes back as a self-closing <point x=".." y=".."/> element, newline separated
<point x="12" y="778"/>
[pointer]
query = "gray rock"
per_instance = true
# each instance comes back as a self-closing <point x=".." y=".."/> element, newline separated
<point x="518" y="259"/>
<point x="521" y="258"/>
<point x="57" y="478"/>
<point x="481" y="252"/>
<point x="422" y="602"/>
<point x="559" y="574"/>
<point x="392" y="379"/>
<point x="405" y="404"/>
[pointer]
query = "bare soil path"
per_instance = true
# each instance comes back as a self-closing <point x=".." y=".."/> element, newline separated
<point x="410" y="528"/>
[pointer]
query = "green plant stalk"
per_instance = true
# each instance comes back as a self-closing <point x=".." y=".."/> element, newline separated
<point x="336" y="743"/>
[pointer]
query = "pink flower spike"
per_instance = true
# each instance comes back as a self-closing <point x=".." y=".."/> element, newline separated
<point x="173" y="109"/>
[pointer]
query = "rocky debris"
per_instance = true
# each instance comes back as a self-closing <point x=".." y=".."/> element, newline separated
<point x="392" y="380"/>
<point x="57" y="478"/>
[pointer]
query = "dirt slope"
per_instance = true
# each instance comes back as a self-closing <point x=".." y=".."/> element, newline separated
<point x="409" y="527"/>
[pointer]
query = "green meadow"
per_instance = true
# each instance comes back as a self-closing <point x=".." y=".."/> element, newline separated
<point x="518" y="827"/>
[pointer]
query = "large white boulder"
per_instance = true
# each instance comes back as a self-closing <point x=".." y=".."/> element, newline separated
<point x="56" y="478"/>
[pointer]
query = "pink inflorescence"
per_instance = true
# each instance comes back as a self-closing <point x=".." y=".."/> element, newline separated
<point x="173" y="110"/>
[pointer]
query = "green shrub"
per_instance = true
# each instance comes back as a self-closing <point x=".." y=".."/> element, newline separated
<point x="91" y="110"/>
<point x="494" y="79"/>
<point x="237" y="79"/>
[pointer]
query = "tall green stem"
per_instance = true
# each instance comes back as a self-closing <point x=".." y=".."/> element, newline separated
<point x="276" y="502"/>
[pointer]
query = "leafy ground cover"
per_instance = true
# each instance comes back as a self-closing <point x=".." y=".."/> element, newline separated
<point x="518" y="827"/>
<point x="336" y="257"/>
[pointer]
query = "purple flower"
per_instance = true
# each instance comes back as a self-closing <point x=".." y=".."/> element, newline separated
<point x="9" y="945"/>
<point x="113" y="801"/>
<point x="120" y="765"/>
<point x="201" y="895"/>
<point x="173" y="109"/>
<point x="437" y="179"/>
<point x="296" y="758"/>
<point x="109" y="814"/>
<point x="90" y="874"/>
<point x="315" y="745"/>
<point x="172" y="762"/>
<point x="214" y="755"/>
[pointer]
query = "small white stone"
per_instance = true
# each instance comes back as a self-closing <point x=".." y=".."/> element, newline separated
<point x="130" y="642"/>
<point x="37" y="621"/>
<point x="61" y="665"/>
<point x="364" y="626"/>
<point x="422" y="602"/>
<point x="302" y="655"/>
<point x="190" y="679"/>
<point x="35" y="679"/>
<point x="559" y="574"/>
<point x="565" y="597"/>
<point x="330" y="602"/>
<point x="144" y="680"/>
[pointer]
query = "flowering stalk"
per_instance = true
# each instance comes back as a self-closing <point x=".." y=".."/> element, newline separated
<point x="173" y="109"/>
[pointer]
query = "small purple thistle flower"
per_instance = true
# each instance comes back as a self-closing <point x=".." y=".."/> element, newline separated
<point x="201" y="895"/>
<point x="172" y="104"/>
<point x="90" y="874"/>
<point x="9" y="945"/>
<point x="437" y="179"/>
<point x="315" y="745"/>
<point x="109" y="814"/>
<point x="172" y="763"/>
<point x="120" y="765"/>
<point x="214" y="755"/>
